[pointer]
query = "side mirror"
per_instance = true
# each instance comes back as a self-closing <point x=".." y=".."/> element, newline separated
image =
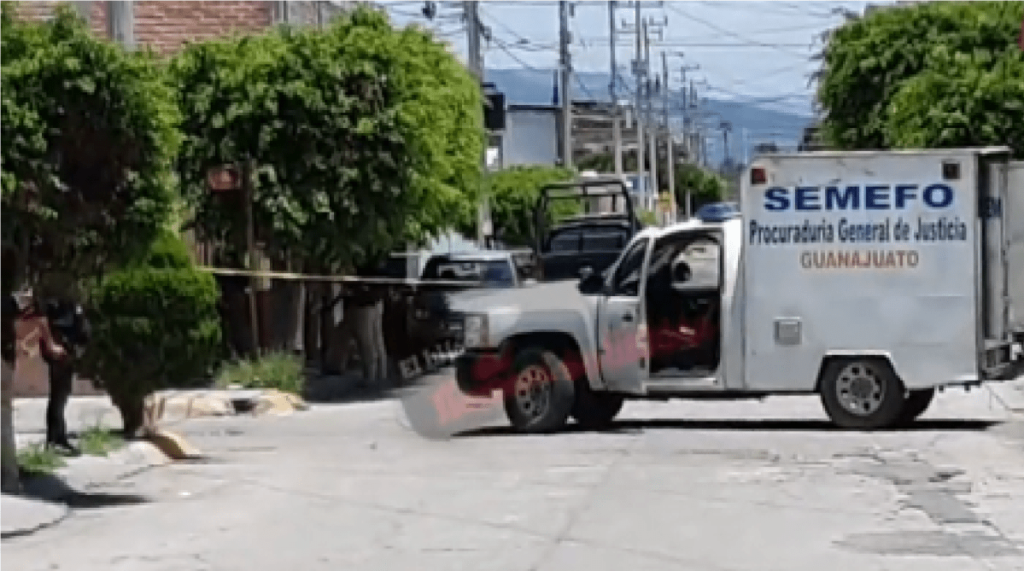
<point x="681" y="273"/>
<point x="591" y="284"/>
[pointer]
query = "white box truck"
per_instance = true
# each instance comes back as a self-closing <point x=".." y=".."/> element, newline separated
<point x="870" y="278"/>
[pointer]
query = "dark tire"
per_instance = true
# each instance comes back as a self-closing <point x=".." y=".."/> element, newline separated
<point x="540" y="394"/>
<point x="862" y="394"/>
<point x="595" y="410"/>
<point x="917" y="403"/>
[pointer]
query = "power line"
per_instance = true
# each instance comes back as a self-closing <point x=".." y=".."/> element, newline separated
<point x="505" y="48"/>
<point x="730" y="33"/>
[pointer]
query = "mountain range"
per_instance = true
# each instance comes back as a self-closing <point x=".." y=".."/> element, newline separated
<point x="751" y="122"/>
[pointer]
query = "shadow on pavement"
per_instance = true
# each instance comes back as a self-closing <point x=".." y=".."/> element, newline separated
<point x="51" y="488"/>
<point x="347" y="388"/>
<point x="634" y="426"/>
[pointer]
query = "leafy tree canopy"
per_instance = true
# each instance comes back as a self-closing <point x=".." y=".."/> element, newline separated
<point x="930" y="74"/>
<point x="362" y="136"/>
<point x="89" y="139"/>
<point x="514" y="193"/>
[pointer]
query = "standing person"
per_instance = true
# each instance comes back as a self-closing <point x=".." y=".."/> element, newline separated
<point x="70" y="329"/>
<point x="11" y="481"/>
<point x="367" y="314"/>
<point x="34" y="337"/>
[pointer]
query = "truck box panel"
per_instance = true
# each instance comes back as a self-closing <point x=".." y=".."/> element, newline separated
<point x="1014" y="228"/>
<point x="870" y="253"/>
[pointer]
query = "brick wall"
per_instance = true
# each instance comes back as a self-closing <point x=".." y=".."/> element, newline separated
<point x="168" y="25"/>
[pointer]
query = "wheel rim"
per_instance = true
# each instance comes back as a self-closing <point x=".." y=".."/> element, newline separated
<point x="860" y="389"/>
<point x="533" y="391"/>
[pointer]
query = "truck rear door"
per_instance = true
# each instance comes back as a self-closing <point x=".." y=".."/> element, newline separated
<point x="1014" y="229"/>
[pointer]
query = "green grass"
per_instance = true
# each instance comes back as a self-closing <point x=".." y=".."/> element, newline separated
<point x="279" y="370"/>
<point x="99" y="441"/>
<point x="37" y="459"/>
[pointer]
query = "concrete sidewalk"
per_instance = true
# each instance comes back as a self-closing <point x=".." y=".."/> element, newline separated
<point x="47" y="498"/>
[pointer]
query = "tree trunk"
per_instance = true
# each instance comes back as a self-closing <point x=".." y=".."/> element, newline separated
<point x="133" y="414"/>
<point x="11" y="480"/>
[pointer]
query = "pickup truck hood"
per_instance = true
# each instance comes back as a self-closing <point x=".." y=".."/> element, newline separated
<point x="540" y="297"/>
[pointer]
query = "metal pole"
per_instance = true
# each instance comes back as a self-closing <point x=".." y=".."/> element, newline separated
<point x="250" y="248"/>
<point x="670" y="158"/>
<point x="652" y="126"/>
<point x="566" y="65"/>
<point x="613" y="93"/>
<point x="639" y="103"/>
<point x="121" y="23"/>
<point x="476" y="66"/>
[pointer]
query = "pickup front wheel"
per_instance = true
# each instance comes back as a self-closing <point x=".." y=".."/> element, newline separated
<point x="540" y="396"/>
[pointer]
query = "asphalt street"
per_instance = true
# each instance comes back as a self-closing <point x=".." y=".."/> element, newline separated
<point x="750" y="486"/>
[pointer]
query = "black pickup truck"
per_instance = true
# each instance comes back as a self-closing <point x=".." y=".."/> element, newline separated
<point x="589" y="242"/>
<point x="430" y="323"/>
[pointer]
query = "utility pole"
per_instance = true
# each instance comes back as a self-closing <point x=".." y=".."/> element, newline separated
<point x="613" y="92"/>
<point x="638" y="72"/>
<point x="652" y="126"/>
<point x="670" y="155"/>
<point x="688" y="206"/>
<point x="121" y="23"/>
<point x="476" y="66"/>
<point x="566" y="64"/>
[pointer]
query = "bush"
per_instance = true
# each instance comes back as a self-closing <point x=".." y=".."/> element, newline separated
<point x="281" y="371"/>
<point x="37" y="459"/>
<point x="153" y="328"/>
<point x="168" y="251"/>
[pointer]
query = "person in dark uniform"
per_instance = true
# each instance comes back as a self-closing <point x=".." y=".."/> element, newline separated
<point x="70" y="329"/>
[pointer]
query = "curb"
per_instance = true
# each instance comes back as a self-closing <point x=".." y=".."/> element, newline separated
<point x="177" y="406"/>
<point x="38" y="515"/>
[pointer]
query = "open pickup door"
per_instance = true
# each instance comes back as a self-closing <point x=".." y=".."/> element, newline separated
<point x="582" y="225"/>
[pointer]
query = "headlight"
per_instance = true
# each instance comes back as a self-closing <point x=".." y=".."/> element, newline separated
<point x="475" y="333"/>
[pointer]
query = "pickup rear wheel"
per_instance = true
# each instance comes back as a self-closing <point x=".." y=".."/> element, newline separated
<point x="595" y="410"/>
<point x="862" y="393"/>
<point x="540" y="395"/>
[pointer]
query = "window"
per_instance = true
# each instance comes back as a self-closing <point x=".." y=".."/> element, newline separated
<point x="565" y="241"/>
<point x="492" y="273"/>
<point x="701" y="253"/>
<point x="627" y="277"/>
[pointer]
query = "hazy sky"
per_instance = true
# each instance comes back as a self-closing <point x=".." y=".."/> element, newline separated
<point x="755" y="51"/>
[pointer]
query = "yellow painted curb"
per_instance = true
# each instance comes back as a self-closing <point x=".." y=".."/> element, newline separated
<point x="172" y="445"/>
<point x="278" y="403"/>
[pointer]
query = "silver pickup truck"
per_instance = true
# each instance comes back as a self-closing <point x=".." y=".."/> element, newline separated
<point x="872" y="279"/>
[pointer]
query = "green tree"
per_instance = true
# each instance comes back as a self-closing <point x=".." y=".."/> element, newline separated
<point x="89" y="134"/>
<point x="363" y="136"/>
<point x="869" y="61"/>
<point x="964" y="100"/>
<point x="514" y="193"/>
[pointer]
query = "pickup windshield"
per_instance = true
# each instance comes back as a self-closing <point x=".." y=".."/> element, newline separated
<point x="491" y="273"/>
<point x="589" y="239"/>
